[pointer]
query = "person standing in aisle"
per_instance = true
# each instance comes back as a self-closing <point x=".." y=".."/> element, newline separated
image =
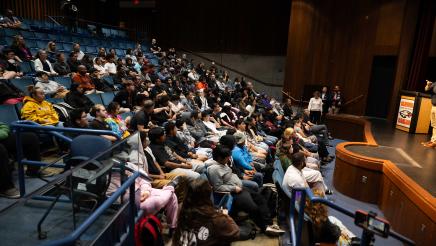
<point x="315" y="108"/>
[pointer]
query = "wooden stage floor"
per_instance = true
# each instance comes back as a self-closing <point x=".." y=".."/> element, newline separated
<point x="405" y="150"/>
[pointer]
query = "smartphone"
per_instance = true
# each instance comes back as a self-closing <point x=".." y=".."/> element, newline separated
<point x="369" y="221"/>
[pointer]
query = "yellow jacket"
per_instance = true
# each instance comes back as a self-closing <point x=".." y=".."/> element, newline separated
<point x="40" y="112"/>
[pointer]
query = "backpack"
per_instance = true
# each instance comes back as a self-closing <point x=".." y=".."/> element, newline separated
<point x="247" y="230"/>
<point x="63" y="109"/>
<point x="148" y="231"/>
<point x="271" y="199"/>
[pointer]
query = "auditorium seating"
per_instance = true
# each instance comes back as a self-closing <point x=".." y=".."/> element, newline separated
<point x="38" y="33"/>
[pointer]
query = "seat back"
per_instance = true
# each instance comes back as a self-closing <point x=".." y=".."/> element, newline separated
<point x="64" y="81"/>
<point x="109" y="80"/>
<point x="26" y="67"/>
<point x="90" y="182"/>
<point x="107" y="98"/>
<point x="8" y="114"/>
<point x="89" y="146"/>
<point x="22" y="84"/>
<point x="278" y="167"/>
<point x="95" y="98"/>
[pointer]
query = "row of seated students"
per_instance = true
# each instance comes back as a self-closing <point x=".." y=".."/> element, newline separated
<point x="194" y="120"/>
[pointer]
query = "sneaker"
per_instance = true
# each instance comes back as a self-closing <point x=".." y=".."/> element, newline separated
<point x="329" y="192"/>
<point x="274" y="230"/>
<point x="11" y="193"/>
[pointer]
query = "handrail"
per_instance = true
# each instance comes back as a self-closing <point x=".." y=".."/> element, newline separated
<point x="74" y="236"/>
<point x="353" y="100"/>
<point x="292" y="98"/>
<point x="228" y="68"/>
<point x="20" y="125"/>
<point x="25" y="124"/>
<point x="53" y="17"/>
<point x="303" y="192"/>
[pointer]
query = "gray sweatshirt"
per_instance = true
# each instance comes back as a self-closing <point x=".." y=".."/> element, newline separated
<point x="221" y="177"/>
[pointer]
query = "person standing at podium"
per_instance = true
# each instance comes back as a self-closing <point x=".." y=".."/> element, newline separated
<point x="431" y="87"/>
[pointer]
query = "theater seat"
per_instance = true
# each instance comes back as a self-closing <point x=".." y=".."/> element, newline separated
<point x="65" y="81"/>
<point x="8" y="114"/>
<point x="22" y="84"/>
<point x="107" y="98"/>
<point x="95" y="98"/>
<point x="26" y="68"/>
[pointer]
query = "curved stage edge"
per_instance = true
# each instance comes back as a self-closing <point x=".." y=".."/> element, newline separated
<point x="410" y="209"/>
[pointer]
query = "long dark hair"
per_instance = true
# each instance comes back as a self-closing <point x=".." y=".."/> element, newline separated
<point x="197" y="207"/>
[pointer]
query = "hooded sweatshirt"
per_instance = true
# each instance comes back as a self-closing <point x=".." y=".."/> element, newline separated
<point x="40" y="112"/>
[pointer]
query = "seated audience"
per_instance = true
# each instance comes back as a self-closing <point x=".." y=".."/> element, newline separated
<point x="84" y="80"/>
<point x="10" y="62"/>
<point x="9" y="20"/>
<point x="126" y="97"/>
<point x="177" y="145"/>
<point x="110" y="66"/>
<point x="50" y="87"/>
<point x="60" y="66"/>
<point x="76" y="98"/>
<point x="37" y="109"/>
<point x="222" y="179"/>
<point x="116" y="122"/>
<point x="299" y="176"/>
<point x="43" y="65"/>
<point x="73" y="62"/>
<point x="76" y="49"/>
<point x="99" y="113"/>
<point x="327" y="229"/>
<point x="200" y="223"/>
<point x="51" y="51"/>
<point x="149" y="199"/>
<point x="168" y="159"/>
<point x="31" y="151"/>
<point x="244" y="160"/>
<point x="20" y="49"/>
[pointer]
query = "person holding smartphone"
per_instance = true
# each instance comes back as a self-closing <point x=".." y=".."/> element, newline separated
<point x="431" y="87"/>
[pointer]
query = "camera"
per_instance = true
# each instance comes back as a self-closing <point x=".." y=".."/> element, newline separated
<point x="370" y="222"/>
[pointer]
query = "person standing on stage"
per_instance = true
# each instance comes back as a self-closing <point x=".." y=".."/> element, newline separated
<point x="431" y="86"/>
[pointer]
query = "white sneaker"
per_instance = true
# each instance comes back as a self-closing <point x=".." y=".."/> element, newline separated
<point x="274" y="230"/>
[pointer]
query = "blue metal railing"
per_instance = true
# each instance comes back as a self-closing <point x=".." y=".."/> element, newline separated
<point x="21" y="126"/>
<point x="302" y="193"/>
<point x="75" y="235"/>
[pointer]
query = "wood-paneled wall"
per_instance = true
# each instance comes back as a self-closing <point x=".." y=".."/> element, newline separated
<point x="32" y="9"/>
<point x="225" y="26"/>
<point x="334" y="43"/>
<point x="331" y="43"/>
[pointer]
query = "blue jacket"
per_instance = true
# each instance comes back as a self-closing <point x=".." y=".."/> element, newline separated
<point x="242" y="158"/>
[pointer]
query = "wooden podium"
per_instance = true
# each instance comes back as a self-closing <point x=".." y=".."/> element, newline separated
<point x="414" y="112"/>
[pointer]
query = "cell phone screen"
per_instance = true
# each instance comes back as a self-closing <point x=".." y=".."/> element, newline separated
<point x="375" y="224"/>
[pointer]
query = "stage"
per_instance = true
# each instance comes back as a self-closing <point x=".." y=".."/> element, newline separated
<point x="405" y="151"/>
<point x="380" y="165"/>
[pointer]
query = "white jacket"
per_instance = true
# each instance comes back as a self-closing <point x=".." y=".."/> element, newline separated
<point x="40" y="68"/>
